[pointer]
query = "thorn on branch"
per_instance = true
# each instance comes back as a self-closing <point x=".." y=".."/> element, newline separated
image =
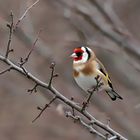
<point x="91" y="91"/>
<point x="10" y="26"/>
<point x="52" y="67"/>
<point x="39" y="108"/>
<point x="34" y="89"/>
<point x="44" y="108"/>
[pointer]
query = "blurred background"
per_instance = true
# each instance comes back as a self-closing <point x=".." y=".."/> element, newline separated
<point x="109" y="27"/>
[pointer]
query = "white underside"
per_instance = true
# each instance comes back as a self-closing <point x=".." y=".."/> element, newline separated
<point x="88" y="82"/>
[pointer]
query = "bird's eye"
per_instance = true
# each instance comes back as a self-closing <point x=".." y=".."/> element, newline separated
<point x="79" y="54"/>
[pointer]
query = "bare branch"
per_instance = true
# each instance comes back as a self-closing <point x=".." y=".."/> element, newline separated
<point x="25" y="60"/>
<point x="10" y="26"/>
<point x="4" y="71"/>
<point x="44" y="108"/>
<point x="62" y="98"/>
<point x="91" y="92"/>
<point x="56" y="94"/>
<point x="34" y="89"/>
<point x="87" y="126"/>
<point x="24" y="14"/>
<point x="52" y="67"/>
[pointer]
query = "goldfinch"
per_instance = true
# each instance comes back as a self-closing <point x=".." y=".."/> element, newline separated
<point x="87" y="68"/>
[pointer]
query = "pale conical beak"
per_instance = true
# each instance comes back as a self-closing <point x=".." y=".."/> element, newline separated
<point x="73" y="55"/>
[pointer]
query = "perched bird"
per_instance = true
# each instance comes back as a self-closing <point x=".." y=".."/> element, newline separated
<point x="87" y="69"/>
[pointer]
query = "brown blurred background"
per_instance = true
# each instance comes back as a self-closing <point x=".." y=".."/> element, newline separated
<point x="62" y="30"/>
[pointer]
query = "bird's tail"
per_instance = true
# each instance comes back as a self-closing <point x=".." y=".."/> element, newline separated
<point x="113" y="95"/>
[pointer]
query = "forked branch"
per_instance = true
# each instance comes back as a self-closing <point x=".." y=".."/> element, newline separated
<point x="112" y="134"/>
<point x="63" y="98"/>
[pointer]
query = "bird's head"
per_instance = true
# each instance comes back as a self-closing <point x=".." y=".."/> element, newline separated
<point x="82" y="54"/>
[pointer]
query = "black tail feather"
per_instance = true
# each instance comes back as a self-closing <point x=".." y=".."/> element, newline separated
<point x="113" y="95"/>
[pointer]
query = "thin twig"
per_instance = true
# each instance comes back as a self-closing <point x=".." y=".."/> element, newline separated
<point x="24" y="14"/>
<point x="25" y="60"/>
<point x="87" y="126"/>
<point x="91" y="91"/>
<point x="44" y="108"/>
<point x="34" y="89"/>
<point x="52" y="67"/>
<point x="10" y="26"/>
<point x="4" y="71"/>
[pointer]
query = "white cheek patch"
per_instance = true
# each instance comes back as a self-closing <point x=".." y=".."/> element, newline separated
<point x="85" y="57"/>
<point x="83" y="48"/>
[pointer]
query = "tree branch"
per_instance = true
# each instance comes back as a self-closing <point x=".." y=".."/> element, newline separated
<point x="34" y="89"/>
<point x="44" y="108"/>
<point x="25" y="60"/>
<point x="52" y="67"/>
<point x="10" y="26"/>
<point x="4" y="71"/>
<point x="24" y="14"/>
<point x="57" y="95"/>
<point x="62" y="98"/>
<point x="91" y="91"/>
<point x="87" y="126"/>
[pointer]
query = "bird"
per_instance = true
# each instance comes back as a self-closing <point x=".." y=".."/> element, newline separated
<point x="88" y="71"/>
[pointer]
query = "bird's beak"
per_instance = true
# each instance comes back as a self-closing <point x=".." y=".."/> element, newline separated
<point x="73" y="55"/>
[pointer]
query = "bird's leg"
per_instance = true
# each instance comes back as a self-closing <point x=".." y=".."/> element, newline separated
<point x="91" y="91"/>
